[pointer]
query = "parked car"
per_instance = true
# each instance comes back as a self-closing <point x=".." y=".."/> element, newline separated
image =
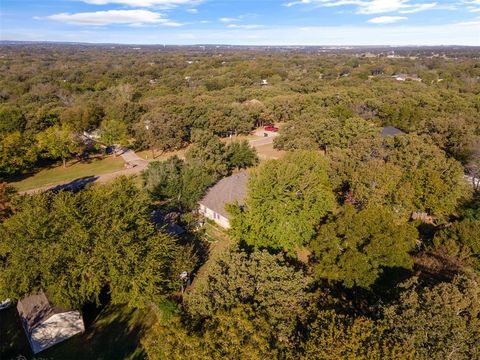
<point x="271" y="128"/>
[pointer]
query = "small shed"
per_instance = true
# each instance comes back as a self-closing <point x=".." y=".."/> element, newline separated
<point x="226" y="191"/>
<point x="46" y="325"/>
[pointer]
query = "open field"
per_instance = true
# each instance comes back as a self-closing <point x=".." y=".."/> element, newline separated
<point x="73" y="171"/>
<point x="113" y="333"/>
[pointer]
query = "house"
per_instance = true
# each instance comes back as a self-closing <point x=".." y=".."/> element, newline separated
<point x="390" y="131"/>
<point x="226" y="191"/>
<point x="264" y="82"/>
<point x="46" y="325"/>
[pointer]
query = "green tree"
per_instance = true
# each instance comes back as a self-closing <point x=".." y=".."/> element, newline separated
<point x="240" y="155"/>
<point x="113" y="132"/>
<point x="436" y="181"/>
<point x="354" y="247"/>
<point x="75" y="245"/>
<point x="238" y="334"/>
<point x="208" y="151"/>
<point x="17" y="154"/>
<point x="6" y="193"/>
<point x="176" y="183"/>
<point x="311" y="132"/>
<point x="334" y="336"/>
<point x="462" y="240"/>
<point x="163" y="131"/>
<point x="268" y="283"/>
<point x="441" y="322"/>
<point x="58" y="142"/>
<point x="11" y="118"/>
<point x="286" y="199"/>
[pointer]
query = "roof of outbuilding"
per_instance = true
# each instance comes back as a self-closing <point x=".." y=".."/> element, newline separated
<point x="226" y="191"/>
<point x="390" y="131"/>
<point x="35" y="309"/>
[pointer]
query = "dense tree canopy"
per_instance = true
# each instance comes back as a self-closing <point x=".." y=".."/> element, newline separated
<point x="441" y="322"/>
<point x="75" y="245"/>
<point x="340" y="200"/>
<point x="286" y="199"/>
<point x="354" y="247"/>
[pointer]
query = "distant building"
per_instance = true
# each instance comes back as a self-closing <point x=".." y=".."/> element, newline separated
<point x="264" y="82"/>
<point x="405" y="77"/>
<point x="46" y="325"/>
<point x="226" y="191"/>
<point x="390" y="131"/>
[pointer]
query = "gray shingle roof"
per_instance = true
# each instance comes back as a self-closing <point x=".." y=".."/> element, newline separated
<point x="35" y="309"/>
<point x="391" y="131"/>
<point x="226" y="191"/>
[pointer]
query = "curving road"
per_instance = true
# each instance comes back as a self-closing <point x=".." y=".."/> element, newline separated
<point x="130" y="157"/>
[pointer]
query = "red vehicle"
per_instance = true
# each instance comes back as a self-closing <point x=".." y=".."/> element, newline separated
<point x="270" y="127"/>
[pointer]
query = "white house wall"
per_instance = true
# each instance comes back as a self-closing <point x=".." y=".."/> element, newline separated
<point x="216" y="217"/>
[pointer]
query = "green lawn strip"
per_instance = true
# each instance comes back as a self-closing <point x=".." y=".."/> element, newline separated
<point x="58" y="175"/>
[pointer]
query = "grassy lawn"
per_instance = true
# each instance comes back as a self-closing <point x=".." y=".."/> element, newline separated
<point x="57" y="175"/>
<point x="268" y="152"/>
<point x="147" y="154"/>
<point x="113" y="333"/>
<point x="215" y="233"/>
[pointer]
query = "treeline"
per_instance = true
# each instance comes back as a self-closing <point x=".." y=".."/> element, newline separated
<point x="156" y="100"/>
<point x="328" y="262"/>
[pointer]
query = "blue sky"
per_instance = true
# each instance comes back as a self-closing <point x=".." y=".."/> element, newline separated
<point x="249" y="22"/>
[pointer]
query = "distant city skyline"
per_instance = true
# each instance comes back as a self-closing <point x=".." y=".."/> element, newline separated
<point x="247" y="22"/>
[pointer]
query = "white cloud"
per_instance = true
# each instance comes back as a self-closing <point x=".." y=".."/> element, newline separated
<point x="228" y="19"/>
<point x="145" y="3"/>
<point x="99" y="18"/>
<point x="445" y="34"/>
<point x="193" y="11"/>
<point x="371" y="6"/>
<point x="244" y="26"/>
<point x="387" y="19"/>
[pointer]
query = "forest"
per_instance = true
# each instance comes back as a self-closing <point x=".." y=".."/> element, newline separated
<point x="353" y="244"/>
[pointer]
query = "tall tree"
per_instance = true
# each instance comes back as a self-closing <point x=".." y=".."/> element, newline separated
<point x="240" y="155"/>
<point x="268" y="283"/>
<point x="17" y="154"/>
<point x="163" y="131"/>
<point x="176" y="183"/>
<point x="113" y="132"/>
<point x="209" y="151"/>
<point x="355" y="247"/>
<point x="58" y="142"/>
<point x="76" y="245"/>
<point x="286" y="199"/>
<point x="441" y="322"/>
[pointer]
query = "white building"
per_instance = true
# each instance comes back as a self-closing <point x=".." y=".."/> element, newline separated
<point x="226" y="191"/>
<point x="46" y="325"/>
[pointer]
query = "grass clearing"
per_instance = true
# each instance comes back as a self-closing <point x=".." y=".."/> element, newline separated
<point x="267" y="151"/>
<point x="113" y="333"/>
<point x="76" y="170"/>
<point x="159" y="156"/>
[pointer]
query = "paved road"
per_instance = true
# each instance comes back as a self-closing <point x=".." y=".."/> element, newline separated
<point x="138" y="164"/>
<point x="130" y="157"/>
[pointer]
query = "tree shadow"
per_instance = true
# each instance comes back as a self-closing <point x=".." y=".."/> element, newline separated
<point x="75" y="185"/>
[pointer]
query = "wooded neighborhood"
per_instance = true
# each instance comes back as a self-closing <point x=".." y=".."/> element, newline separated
<point x="239" y="203"/>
